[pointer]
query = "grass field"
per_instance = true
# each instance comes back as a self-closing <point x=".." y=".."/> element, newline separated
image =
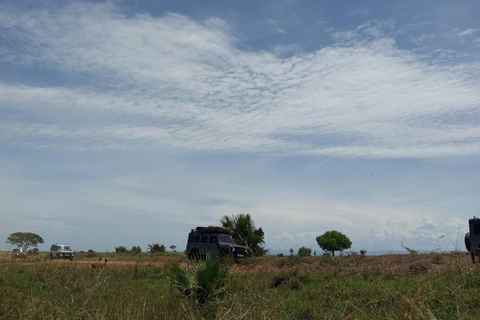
<point x="423" y="286"/>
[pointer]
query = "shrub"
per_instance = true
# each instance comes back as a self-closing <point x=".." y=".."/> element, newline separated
<point x="136" y="250"/>
<point x="202" y="282"/>
<point x="121" y="249"/>
<point x="91" y="253"/>
<point x="156" y="247"/>
<point x="304" y="252"/>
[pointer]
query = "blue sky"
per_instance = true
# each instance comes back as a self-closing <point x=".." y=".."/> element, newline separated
<point x="129" y="123"/>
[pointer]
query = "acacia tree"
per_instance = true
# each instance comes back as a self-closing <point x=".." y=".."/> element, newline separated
<point x="24" y="240"/>
<point x="244" y="232"/>
<point x="304" y="252"/>
<point x="333" y="241"/>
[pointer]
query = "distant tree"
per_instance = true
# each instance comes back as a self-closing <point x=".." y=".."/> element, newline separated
<point x="304" y="252"/>
<point x="332" y="241"/>
<point x="24" y="240"/>
<point x="156" y="247"/>
<point x="245" y="233"/>
<point x="91" y="253"/>
<point x="173" y="247"/>
<point x="136" y="250"/>
<point x="291" y="251"/>
<point x="363" y="252"/>
<point x="121" y="249"/>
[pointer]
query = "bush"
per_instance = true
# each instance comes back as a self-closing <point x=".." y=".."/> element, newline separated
<point x="202" y="282"/>
<point x="136" y="250"/>
<point x="91" y="253"/>
<point x="156" y="247"/>
<point x="304" y="252"/>
<point x="121" y="249"/>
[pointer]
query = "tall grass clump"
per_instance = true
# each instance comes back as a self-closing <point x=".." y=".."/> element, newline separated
<point x="201" y="282"/>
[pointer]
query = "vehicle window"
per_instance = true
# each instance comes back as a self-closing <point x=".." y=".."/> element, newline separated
<point x="225" y="238"/>
<point x="213" y="239"/>
<point x="193" y="238"/>
<point x="204" y="239"/>
<point x="64" y="247"/>
<point x="476" y="229"/>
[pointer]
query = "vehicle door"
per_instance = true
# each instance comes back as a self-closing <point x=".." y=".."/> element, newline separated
<point x="203" y="245"/>
<point x="212" y="243"/>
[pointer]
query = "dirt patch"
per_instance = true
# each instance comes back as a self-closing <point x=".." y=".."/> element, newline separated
<point x="386" y="264"/>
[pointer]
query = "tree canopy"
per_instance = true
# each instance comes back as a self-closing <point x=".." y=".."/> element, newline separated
<point x="332" y="241"/>
<point x="24" y="240"/>
<point x="304" y="252"/>
<point x="244" y="232"/>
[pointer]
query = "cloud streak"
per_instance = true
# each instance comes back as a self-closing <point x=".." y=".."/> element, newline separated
<point x="172" y="82"/>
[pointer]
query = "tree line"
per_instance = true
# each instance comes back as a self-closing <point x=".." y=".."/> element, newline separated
<point x="243" y="231"/>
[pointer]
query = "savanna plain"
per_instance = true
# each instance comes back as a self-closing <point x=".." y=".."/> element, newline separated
<point x="410" y="286"/>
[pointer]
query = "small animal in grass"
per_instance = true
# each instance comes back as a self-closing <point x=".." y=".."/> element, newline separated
<point x="99" y="264"/>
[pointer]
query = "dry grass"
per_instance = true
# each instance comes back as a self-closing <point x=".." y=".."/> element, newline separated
<point x="355" y="287"/>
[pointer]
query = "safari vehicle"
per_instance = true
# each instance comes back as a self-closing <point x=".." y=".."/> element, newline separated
<point x="19" y="253"/>
<point x="472" y="238"/>
<point x="61" y="251"/>
<point x="202" y="240"/>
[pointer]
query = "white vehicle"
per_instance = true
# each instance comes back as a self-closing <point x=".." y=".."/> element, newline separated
<point x="61" y="251"/>
<point x="19" y="253"/>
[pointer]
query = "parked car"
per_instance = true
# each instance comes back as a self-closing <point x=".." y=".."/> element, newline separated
<point x="19" y="253"/>
<point x="202" y="240"/>
<point x="61" y="251"/>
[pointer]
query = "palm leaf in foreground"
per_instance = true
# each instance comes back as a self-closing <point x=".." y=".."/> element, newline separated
<point x="202" y="282"/>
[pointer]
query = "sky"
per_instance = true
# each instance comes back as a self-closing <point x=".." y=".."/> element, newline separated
<point x="127" y="123"/>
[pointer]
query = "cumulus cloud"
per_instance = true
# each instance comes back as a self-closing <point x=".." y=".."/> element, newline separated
<point x="173" y="82"/>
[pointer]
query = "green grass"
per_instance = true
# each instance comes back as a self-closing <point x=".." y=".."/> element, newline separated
<point x="284" y="290"/>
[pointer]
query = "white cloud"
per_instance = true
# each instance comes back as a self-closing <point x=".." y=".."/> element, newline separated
<point x="467" y="32"/>
<point x="178" y="83"/>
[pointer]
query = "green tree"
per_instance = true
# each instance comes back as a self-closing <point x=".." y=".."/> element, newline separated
<point x="245" y="233"/>
<point x="136" y="250"/>
<point x="24" y="240"/>
<point x="304" y="252"/>
<point x="156" y="247"/>
<point x="121" y="249"/>
<point x="332" y="241"/>
<point x="173" y="248"/>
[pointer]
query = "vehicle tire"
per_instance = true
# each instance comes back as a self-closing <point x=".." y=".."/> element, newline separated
<point x="194" y="256"/>
<point x="467" y="241"/>
<point x="476" y="251"/>
<point x="71" y="259"/>
<point x="223" y="253"/>
<point x="51" y="256"/>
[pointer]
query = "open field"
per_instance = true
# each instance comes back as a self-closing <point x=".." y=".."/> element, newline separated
<point x="423" y="286"/>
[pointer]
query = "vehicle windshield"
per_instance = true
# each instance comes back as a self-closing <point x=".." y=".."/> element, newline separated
<point x="64" y="247"/>
<point x="225" y="238"/>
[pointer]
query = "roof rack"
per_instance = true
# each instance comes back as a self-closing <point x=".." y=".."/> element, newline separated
<point x="216" y="229"/>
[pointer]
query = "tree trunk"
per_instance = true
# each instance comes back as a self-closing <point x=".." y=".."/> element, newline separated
<point x="333" y="253"/>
